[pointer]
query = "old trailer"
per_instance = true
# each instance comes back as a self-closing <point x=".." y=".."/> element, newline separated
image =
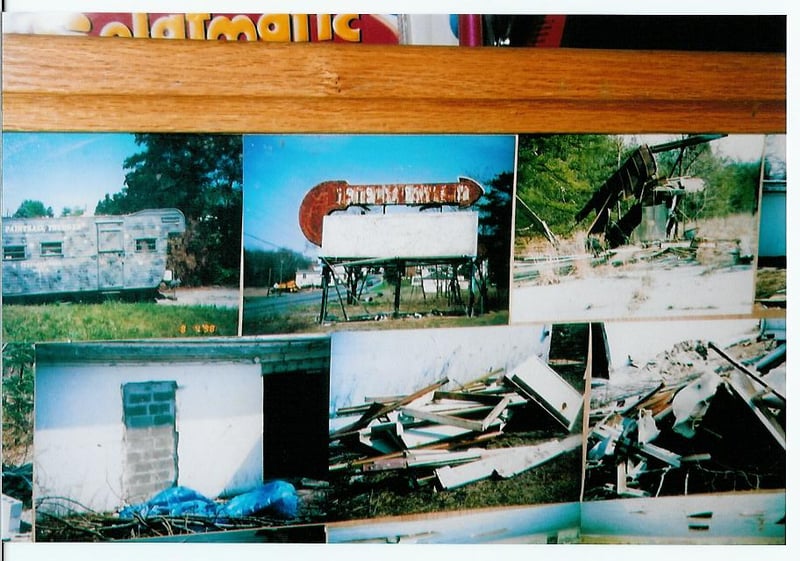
<point x="87" y="257"/>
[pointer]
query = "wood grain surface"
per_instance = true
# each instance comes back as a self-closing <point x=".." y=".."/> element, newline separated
<point x="137" y="85"/>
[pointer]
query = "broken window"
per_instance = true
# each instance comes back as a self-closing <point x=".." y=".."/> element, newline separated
<point x="13" y="252"/>
<point x="145" y="245"/>
<point x="52" y="249"/>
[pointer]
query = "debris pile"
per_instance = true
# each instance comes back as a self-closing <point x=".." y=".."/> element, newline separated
<point x="171" y="512"/>
<point x="715" y="422"/>
<point x="452" y="438"/>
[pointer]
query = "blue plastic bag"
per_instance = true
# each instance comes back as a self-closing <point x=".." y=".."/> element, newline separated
<point x="174" y="501"/>
<point x="276" y="497"/>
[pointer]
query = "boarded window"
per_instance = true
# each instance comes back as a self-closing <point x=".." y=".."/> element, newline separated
<point x="110" y="238"/>
<point x="151" y="442"/>
<point x="145" y="245"/>
<point x="49" y="249"/>
<point x="13" y="252"/>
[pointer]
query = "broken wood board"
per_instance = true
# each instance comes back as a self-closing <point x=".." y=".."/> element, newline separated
<point x="506" y="462"/>
<point x="381" y="410"/>
<point x="478" y="425"/>
<point x="543" y="385"/>
<point x="423" y="459"/>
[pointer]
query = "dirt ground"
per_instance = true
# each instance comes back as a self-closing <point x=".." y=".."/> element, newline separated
<point x="222" y="297"/>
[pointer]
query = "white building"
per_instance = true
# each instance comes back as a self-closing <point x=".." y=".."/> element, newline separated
<point x="115" y="422"/>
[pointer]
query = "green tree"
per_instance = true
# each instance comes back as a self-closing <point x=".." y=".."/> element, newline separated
<point x="33" y="209"/>
<point x="494" y="231"/>
<point x="72" y="211"/>
<point x="266" y="268"/>
<point x="202" y="176"/>
<point x="557" y="174"/>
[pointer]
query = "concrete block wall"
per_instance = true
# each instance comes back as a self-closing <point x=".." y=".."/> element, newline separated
<point x="151" y="460"/>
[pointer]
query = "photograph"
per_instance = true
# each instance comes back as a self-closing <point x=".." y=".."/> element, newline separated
<point x="381" y="231"/>
<point x="771" y="263"/>
<point x="688" y="432"/>
<point x="635" y="226"/>
<point x="110" y="236"/>
<point x="114" y="236"/>
<point x="456" y="421"/>
<point x="207" y="439"/>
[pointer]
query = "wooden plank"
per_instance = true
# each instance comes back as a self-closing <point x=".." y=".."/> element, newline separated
<point x="381" y="411"/>
<point x="486" y="399"/>
<point x="280" y="353"/>
<point x="97" y="84"/>
<point x="438" y="418"/>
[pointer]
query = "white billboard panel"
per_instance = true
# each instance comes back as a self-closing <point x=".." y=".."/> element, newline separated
<point x="408" y="235"/>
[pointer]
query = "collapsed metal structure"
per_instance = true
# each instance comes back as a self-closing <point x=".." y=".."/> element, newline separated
<point x="655" y="198"/>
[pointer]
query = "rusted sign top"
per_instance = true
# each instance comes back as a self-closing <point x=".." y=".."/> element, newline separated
<point x="329" y="196"/>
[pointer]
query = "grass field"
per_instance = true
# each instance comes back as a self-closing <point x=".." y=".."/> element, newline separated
<point x="114" y="320"/>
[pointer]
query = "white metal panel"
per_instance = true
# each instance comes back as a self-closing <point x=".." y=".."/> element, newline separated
<point x="551" y="391"/>
<point x="401" y="235"/>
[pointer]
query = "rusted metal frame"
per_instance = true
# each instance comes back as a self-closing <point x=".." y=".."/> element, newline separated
<point x="752" y="375"/>
<point x="368" y="417"/>
<point x="400" y="264"/>
<point x="336" y="287"/>
<point x="326" y="277"/>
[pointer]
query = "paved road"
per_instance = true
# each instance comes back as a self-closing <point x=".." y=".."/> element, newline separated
<point x="258" y="306"/>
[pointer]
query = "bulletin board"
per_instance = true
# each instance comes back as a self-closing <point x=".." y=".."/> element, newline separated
<point x="97" y="85"/>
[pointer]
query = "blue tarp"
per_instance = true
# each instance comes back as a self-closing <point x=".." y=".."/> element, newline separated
<point x="276" y="498"/>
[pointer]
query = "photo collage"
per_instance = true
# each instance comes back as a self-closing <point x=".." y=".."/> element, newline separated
<point x="437" y="339"/>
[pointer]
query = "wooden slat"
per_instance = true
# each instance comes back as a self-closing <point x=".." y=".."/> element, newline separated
<point x="94" y="84"/>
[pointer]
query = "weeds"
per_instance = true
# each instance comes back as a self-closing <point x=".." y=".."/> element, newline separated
<point x="17" y="402"/>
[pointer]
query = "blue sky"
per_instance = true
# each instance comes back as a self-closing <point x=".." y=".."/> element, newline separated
<point x="280" y="169"/>
<point x="63" y="169"/>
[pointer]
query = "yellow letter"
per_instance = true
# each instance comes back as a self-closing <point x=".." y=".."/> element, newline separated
<point x="79" y="23"/>
<point x="231" y="29"/>
<point x="141" y="27"/>
<point x="300" y="28"/>
<point x="343" y="29"/>
<point x="169" y="27"/>
<point x="324" y="29"/>
<point x="196" y="25"/>
<point x="274" y="27"/>
<point x="115" y="29"/>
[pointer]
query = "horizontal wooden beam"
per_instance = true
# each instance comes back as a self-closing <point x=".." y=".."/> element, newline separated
<point x="284" y="353"/>
<point x="127" y="85"/>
